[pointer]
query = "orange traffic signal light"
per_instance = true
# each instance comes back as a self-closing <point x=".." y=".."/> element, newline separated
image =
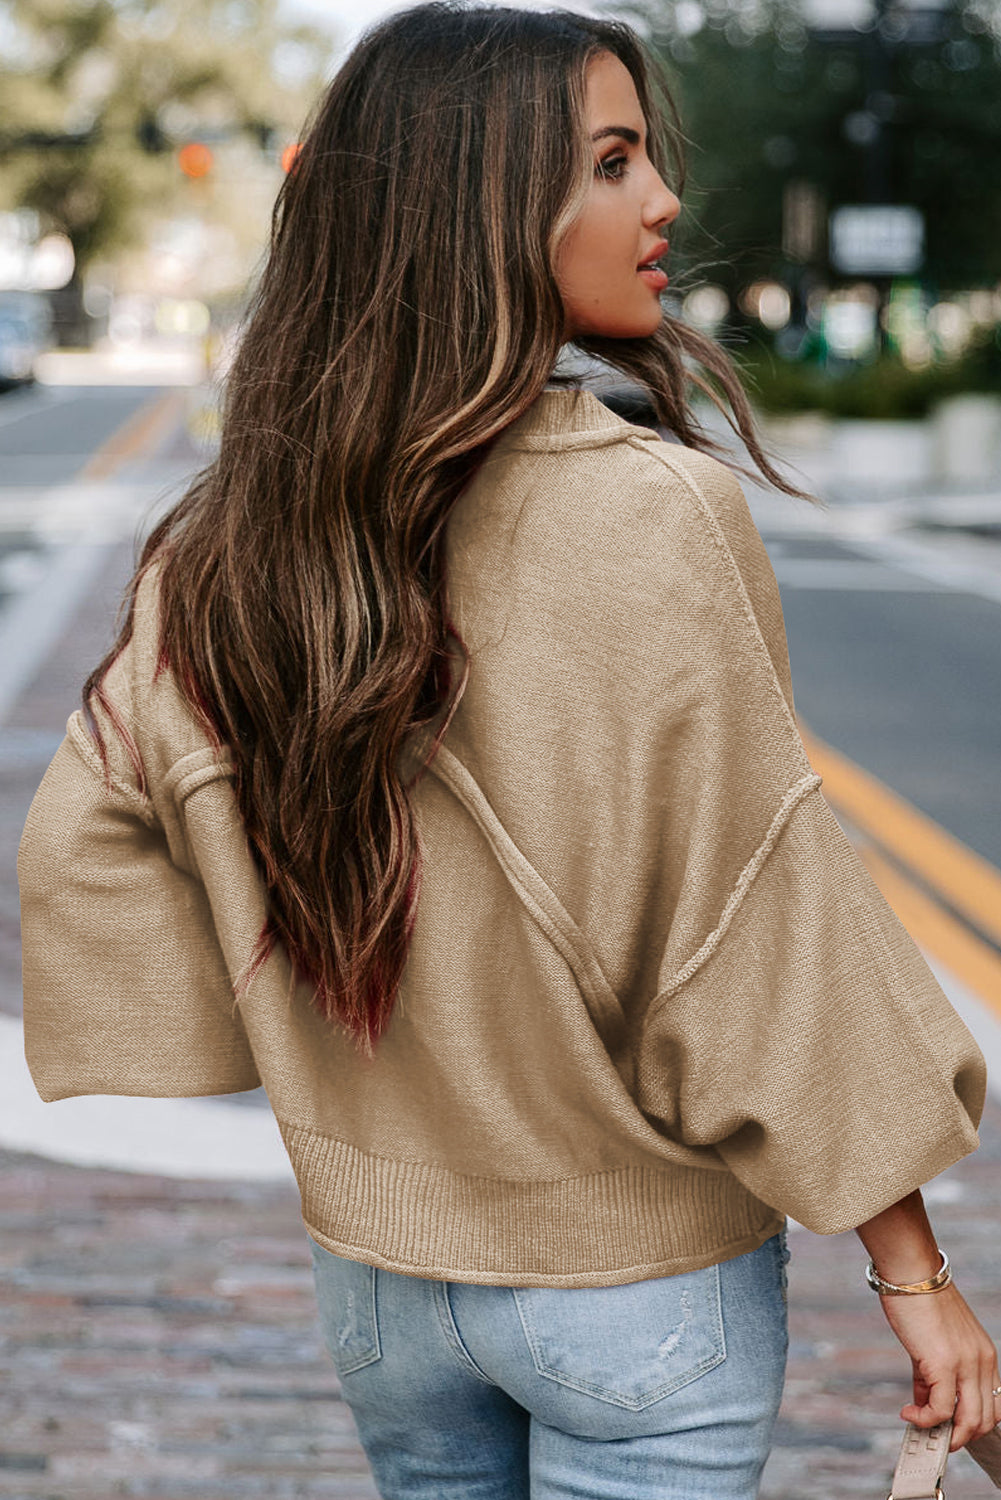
<point x="195" y="159"/>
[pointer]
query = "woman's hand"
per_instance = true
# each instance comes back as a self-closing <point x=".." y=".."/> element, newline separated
<point x="953" y="1361"/>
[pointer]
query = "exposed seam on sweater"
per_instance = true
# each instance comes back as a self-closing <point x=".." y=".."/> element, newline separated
<point x="88" y="753"/>
<point x="582" y="439"/>
<point x="793" y="797"/>
<point x="712" y="1165"/>
<point x="195" y="770"/>
<point x="536" y="896"/>
<point x="716" y="532"/>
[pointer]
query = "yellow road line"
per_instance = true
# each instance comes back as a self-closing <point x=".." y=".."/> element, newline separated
<point x="939" y="933"/>
<point x="140" y="432"/>
<point x="969" y="883"/>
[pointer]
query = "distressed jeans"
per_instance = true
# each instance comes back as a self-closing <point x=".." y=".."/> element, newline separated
<point x="665" y="1389"/>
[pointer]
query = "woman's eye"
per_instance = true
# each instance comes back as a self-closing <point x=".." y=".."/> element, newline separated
<point x="612" y="167"/>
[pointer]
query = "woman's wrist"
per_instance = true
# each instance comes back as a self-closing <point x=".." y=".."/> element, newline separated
<point x="901" y="1242"/>
<point x="906" y="1269"/>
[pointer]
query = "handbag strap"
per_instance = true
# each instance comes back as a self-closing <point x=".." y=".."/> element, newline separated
<point x="923" y="1453"/>
<point x="921" y="1465"/>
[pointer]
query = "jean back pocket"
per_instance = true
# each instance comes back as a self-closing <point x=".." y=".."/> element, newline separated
<point x="629" y="1345"/>
<point x="349" y="1319"/>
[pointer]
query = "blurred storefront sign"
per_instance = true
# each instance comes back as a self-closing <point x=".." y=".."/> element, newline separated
<point x="876" y="239"/>
<point x="838" y="15"/>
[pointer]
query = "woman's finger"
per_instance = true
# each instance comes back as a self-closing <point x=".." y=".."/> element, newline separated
<point x="938" y="1405"/>
<point x="974" y="1414"/>
<point x="992" y="1400"/>
<point x="990" y="1395"/>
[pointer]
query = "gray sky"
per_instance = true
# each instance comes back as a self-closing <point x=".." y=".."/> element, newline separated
<point x="347" y="18"/>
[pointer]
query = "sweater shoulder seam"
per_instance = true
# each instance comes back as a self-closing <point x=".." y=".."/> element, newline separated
<point x="715" y="531"/>
<point x="83" y="743"/>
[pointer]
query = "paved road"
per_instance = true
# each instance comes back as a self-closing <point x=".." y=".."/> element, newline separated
<point x="48" y="433"/>
<point x="902" y="674"/>
<point x="46" y="438"/>
<point x="157" y="1332"/>
<point x="895" y="635"/>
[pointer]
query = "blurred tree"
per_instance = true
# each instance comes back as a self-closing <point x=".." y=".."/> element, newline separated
<point x="96" y="96"/>
<point x="904" y="110"/>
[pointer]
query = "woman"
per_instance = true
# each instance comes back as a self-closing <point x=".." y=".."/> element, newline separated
<point x="445" y="779"/>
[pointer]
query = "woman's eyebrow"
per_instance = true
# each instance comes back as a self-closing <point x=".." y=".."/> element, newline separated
<point x="632" y="136"/>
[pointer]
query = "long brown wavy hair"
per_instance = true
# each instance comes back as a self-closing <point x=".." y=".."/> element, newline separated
<point x="406" y="315"/>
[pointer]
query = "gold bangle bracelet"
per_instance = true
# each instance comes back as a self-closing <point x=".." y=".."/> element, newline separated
<point x="936" y="1283"/>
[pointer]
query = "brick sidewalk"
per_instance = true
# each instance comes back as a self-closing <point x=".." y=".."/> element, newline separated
<point x="158" y="1338"/>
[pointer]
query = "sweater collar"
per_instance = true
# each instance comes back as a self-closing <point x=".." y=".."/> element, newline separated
<point x="566" y="417"/>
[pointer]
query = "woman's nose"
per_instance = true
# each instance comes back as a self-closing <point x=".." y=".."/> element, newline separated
<point x="670" y="207"/>
<point x="663" y="206"/>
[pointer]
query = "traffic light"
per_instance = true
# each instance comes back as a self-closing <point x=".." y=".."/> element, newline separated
<point x="195" y="159"/>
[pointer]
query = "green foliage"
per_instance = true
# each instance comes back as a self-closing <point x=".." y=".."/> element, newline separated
<point x="89" y="89"/>
<point x="885" y="388"/>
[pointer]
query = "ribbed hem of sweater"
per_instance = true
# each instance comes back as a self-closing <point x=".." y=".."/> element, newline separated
<point x="597" y="1229"/>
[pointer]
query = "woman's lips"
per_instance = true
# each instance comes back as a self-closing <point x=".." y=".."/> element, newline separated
<point x="654" y="277"/>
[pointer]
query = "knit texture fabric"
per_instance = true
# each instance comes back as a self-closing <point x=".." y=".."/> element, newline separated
<point x="654" y="1001"/>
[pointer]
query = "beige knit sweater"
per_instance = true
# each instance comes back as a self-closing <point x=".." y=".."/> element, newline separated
<point x="654" y="1001"/>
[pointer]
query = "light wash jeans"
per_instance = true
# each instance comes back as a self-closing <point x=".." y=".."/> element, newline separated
<point x="657" y="1390"/>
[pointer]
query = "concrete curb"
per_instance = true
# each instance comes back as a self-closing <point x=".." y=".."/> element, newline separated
<point x="186" y="1138"/>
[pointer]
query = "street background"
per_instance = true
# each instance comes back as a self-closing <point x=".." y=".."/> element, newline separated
<point x="157" y="1321"/>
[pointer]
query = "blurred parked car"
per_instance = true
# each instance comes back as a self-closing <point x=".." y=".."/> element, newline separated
<point x="25" y="329"/>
